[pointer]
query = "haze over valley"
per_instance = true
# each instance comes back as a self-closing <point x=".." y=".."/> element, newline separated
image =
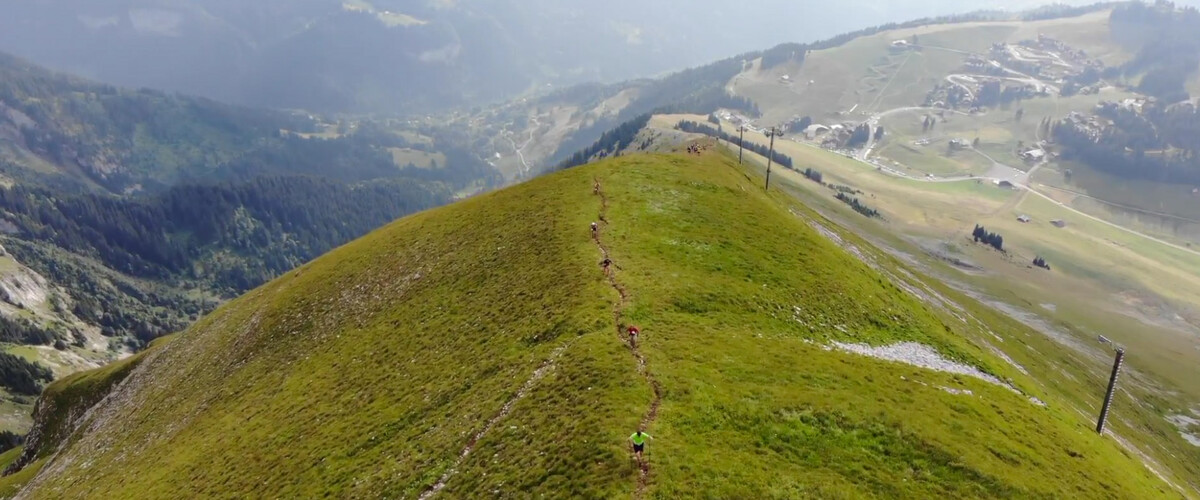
<point x="455" y="248"/>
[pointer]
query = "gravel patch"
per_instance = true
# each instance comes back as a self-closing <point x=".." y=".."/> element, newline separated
<point x="1184" y="423"/>
<point x="921" y="355"/>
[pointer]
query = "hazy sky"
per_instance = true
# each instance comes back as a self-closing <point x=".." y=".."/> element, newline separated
<point x="249" y="51"/>
<point x="809" y="20"/>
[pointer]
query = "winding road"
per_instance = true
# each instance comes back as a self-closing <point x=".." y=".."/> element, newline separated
<point x="1023" y="182"/>
<point x="1114" y="225"/>
<point x="520" y="150"/>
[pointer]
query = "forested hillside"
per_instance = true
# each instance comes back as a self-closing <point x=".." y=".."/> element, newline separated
<point x="73" y="134"/>
<point x="126" y="214"/>
<point x="1158" y="139"/>
<point x="694" y="90"/>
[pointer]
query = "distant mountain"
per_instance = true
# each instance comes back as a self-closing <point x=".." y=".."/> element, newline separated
<point x="61" y="131"/>
<point x="414" y="56"/>
<point x="125" y="214"/>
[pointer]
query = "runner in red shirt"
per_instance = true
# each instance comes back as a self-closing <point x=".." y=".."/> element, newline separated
<point x="633" y="333"/>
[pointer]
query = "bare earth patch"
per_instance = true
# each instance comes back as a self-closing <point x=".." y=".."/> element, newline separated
<point x="1184" y="423"/>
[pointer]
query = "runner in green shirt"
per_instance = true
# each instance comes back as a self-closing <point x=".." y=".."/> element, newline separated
<point x="639" y="442"/>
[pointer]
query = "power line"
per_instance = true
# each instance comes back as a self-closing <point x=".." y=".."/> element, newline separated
<point x="741" y="141"/>
<point x="771" y="133"/>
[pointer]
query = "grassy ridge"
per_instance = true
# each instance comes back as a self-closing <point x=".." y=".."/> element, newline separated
<point x="753" y="409"/>
<point x="366" y="372"/>
<point x="62" y="403"/>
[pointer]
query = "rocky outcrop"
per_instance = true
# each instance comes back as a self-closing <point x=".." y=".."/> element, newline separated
<point x="21" y="286"/>
<point x="64" y="406"/>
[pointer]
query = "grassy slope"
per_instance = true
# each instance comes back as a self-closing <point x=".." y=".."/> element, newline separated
<point x="11" y="485"/>
<point x="866" y="72"/>
<point x="1061" y="355"/>
<point x="1094" y="263"/>
<point x="365" y="372"/>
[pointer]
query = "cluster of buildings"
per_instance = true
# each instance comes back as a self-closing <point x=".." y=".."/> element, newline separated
<point x="1133" y="104"/>
<point x="1091" y="125"/>
<point x="830" y="136"/>
<point x="1064" y="51"/>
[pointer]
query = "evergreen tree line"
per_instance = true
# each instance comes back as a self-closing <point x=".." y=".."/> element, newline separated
<point x="861" y="134"/>
<point x="1040" y="262"/>
<point x="856" y="205"/>
<point x="700" y="128"/>
<point x="18" y="330"/>
<point x="1158" y="144"/>
<point x="800" y="125"/>
<point x="1059" y="11"/>
<point x="614" y="140"/>
<point x="699" y="90"/>
<point x="154" y="140"/>
<point x="1169" y="57"/>
<point x="814" y="175"/>
<point x="141" y="310"/>
<point x="981" y="234"/>
<point x="21" y="376"/>
<point x="277" y="221"/>
<point x="10" y="440"/>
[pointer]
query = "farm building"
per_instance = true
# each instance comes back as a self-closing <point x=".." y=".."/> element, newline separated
<point x="1034" y="155"/>
<point x="815" y="130"/>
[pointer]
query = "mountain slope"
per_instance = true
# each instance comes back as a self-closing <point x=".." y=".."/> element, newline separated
<point x="408" y="55"/>
<point x="127" y="214"/>
<point x="77" y="135"/>
<point x="487" y="327"/>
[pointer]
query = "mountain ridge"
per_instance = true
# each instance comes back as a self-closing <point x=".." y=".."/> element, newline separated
<point x="132" y="212"/>
<point x="365" y="372"/>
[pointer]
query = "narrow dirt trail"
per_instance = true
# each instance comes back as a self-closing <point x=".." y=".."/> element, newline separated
<point x="505" y="410"/>
<point x="619" y="325"/>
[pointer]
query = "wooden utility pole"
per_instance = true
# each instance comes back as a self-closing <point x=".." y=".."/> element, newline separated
<point x="1112" y="386"/>
<point x="772" y="132"/>
<point x="741" y="141"/>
